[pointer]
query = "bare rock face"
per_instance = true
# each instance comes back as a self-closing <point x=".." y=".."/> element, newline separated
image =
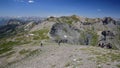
<point x="107" y="20"/>
<point x="29" y="25"/>
<point x="69" y="34"/>
<point x="63" y="31"/>
<point x="78" y="33"/>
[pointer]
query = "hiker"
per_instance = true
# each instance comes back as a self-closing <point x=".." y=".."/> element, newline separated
<point x="102" y="46"/>
<point x="87" y="41"/>
<point x="59" y="42"/>
<point x="99" y="44"/>
<point x="41" y="44"/>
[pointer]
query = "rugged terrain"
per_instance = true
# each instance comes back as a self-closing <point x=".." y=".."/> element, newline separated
<point x="68" y="42"/>
<point x="66" y="56"/>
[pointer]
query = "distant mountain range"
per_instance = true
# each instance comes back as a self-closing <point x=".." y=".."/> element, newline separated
<point x="4" y="20"/>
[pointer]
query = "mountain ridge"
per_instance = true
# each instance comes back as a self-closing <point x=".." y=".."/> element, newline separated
<point x="22" y="38"/>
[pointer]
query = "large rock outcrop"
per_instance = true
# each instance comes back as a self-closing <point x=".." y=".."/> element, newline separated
<point x="62" y="31"/>
<point x="107" y="20"/>
<point x="69" y="34"/>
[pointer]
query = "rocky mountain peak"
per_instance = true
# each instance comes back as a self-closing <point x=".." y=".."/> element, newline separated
<point x="14" y="22"/>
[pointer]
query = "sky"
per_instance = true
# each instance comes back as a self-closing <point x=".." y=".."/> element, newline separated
<point x="43" y="8"/>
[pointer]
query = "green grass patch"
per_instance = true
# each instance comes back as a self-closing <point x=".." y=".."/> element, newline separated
<point x="114" y="56"/>
<point x="102" y="55"/>
<point x="94" y="51"/>
<point x="108" y="57"/>
<point x="69" y="22"/>
<point x="41" y="34"/>
<point x="7" y="46"/>
<point x="101" y="59"/>
<point x="4" y="50"/>
<point x="94" y="40"/>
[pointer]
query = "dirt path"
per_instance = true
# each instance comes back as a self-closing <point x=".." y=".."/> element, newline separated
<point x="65" y="56"/>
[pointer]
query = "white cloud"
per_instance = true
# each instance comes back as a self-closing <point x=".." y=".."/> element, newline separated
<point x="30" y="1"/>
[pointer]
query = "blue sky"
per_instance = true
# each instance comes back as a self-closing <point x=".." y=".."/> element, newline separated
<point x="87" y="8"/>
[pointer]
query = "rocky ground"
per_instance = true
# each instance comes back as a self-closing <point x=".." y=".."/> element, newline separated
<point x="67" y="56"/>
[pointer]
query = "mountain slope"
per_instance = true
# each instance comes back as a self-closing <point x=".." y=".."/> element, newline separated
<point x="71" y="56"/>
<point x="22" y="39"/>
